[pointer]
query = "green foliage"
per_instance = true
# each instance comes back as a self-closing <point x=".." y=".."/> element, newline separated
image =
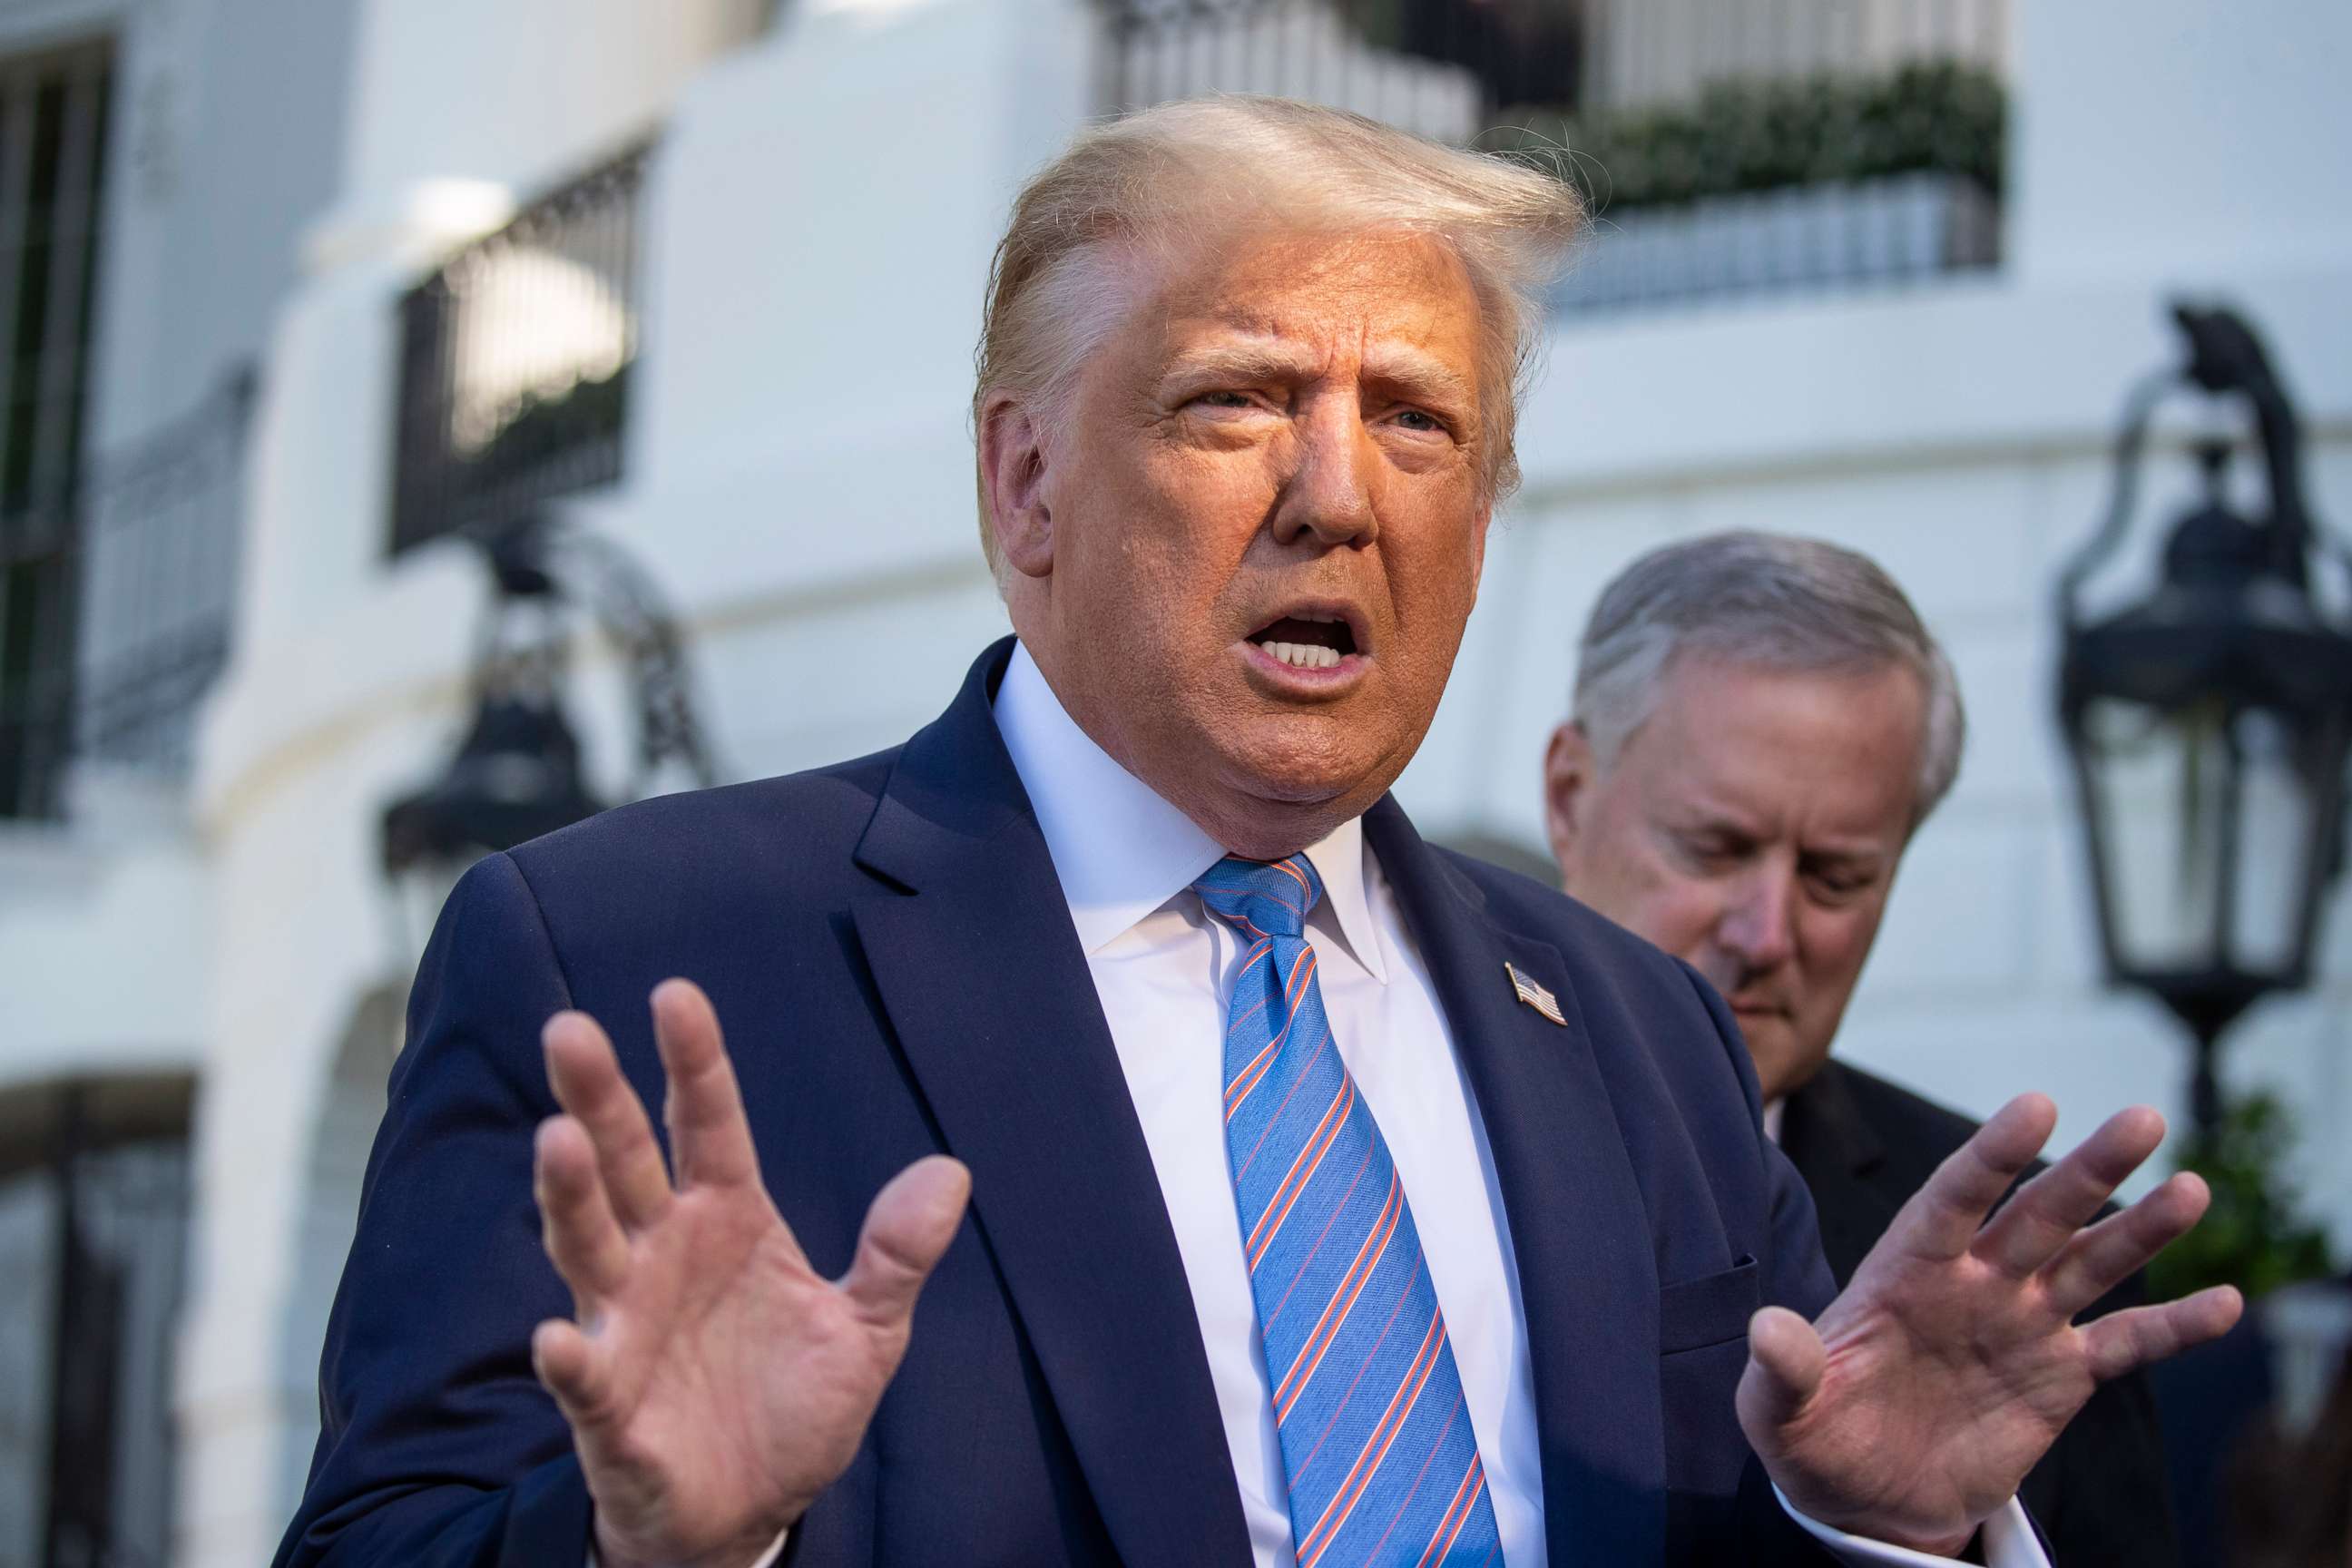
<point x="1761" y="135"/>
<point x="2252" y="1237"/>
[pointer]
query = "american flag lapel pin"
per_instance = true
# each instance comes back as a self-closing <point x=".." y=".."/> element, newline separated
<point x="1535" y="996"/>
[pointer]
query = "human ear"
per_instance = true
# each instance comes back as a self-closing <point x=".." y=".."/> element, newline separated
<point x="1013" y="477"/>
<point x="1568" y="775"/>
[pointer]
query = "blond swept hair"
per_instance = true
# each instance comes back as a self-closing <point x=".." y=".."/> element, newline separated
<point x="1143" y="182"/>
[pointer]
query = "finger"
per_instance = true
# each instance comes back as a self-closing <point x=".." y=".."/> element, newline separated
<point x="575" y="1369"/>
<point x="1785" y="1359"/>
<point x="2124" y="1341"/>
<point x="2119" y="1246"/>
<point x="907" y="1231"/>
<point x="586" y="1078"/>
<point x="707" y="1133"/>
<point x="576" y="1222"/>
<point x="2034" y="1226"/>
<point x="1943" y="1216"/>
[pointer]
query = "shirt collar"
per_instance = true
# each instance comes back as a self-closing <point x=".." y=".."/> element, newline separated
<point x="1120" y="850"/>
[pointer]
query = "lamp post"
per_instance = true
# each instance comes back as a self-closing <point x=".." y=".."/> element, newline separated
<point x="517" y="772"/>
<point x="2207" y="722"/>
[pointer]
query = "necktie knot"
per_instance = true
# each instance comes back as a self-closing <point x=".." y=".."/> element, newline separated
<point x="1261" y="898"/>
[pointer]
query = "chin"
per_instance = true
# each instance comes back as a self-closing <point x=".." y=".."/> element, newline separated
<point x="1305" y="759"/>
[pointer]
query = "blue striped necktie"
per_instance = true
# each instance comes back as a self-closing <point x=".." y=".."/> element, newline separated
<point x="1376" y="1441"/>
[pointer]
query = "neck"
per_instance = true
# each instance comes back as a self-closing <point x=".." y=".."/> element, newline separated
<point x="1234" y="812"/>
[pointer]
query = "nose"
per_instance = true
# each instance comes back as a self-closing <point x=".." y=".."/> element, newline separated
<point x="1329" y="490"/>
<point x="1758" y="926"/>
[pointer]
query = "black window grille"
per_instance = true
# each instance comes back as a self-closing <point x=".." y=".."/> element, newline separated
<point x="1442" y="68"/>
<point x="161" y="525"/>
<point x="93" y="1235"/>
<point x="53" y="114"/>
<point x="1735" y="147"/>
<point x="514" y="365"/>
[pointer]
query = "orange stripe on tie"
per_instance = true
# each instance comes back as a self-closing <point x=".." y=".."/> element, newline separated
<point x="1457" y="1514"/>
<point x="1301" y="1172"/>
<point x="1376" y="1447"/>
<point x="1404" y="1506"/>
<point x="1360" y="1269"/>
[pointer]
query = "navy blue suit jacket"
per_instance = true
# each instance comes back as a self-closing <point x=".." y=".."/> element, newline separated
<point x="894" y="963"/>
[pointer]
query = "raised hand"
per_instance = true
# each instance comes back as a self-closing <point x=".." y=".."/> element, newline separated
<point x="1913" y="1407"/>
<point x="714" y="1384"/>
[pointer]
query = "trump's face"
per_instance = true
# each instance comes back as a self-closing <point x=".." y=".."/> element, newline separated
<point x="1751" y="826"/>
<point x="1244" y="556"/>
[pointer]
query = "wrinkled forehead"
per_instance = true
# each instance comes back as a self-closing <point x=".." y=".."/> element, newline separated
<point x="1841" y="743"/>
<point x="1386" y="301"/>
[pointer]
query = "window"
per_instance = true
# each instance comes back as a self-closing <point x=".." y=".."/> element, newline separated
<point x="53" y="110"/>
<point x="515" y="356"/>
<point x="93" y="1227"/>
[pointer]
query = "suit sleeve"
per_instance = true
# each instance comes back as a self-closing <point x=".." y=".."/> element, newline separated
<point x="437" y="1445"/>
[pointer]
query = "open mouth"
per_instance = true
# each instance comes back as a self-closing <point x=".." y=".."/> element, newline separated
<point x="1306" y="641"/>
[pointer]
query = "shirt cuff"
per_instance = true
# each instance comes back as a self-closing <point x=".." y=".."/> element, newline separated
<point x="2009" y="1542"/>
<point x="776" y="1549"/>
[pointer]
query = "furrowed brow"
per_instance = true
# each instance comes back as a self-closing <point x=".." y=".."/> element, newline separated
<point x="1240" y="362"/>
<point x="1419" y="375"/>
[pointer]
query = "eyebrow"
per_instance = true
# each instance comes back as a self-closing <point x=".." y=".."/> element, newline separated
<point x="1410" y="369"/>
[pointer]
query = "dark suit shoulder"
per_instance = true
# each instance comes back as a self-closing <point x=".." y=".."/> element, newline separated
<point x="1925" y="1130"/>
<point x="824" y="807"/>
<point x="743" y="877"/>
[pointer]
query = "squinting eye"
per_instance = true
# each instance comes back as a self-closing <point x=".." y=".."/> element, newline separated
<point x="1420" y="419"/>
<point x="1225" y="399"/>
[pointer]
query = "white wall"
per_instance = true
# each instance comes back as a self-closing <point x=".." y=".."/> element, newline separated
<point x="209" y="196"/>
<point x="2181" y="138"/>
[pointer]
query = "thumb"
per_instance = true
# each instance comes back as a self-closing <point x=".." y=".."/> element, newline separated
<point x="907" y="1230"/>
<point x="1784" y="1368"/>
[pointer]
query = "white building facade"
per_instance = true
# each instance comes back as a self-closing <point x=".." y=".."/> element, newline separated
<point x="195" y="933"/>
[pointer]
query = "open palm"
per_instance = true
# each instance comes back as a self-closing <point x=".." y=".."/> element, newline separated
<point x="1913" y="1407"/>
<point x="714" y="1383"/>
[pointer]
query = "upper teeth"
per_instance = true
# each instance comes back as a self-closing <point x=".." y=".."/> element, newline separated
<point x="1304" y="654"/>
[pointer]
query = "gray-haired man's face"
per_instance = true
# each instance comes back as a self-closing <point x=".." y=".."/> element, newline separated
<point x="1751" y="826"/>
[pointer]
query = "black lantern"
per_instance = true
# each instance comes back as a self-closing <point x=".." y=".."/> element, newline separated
<point x="517" y="773"/>
<point x="2209" y="721"/>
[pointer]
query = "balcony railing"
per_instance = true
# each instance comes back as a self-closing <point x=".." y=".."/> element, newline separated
<point x="127" y="598"/>
<point x="1652" y="52"/>
<point x="1440" y="69"/>
<point x="515" y="356"/>
<point x="161" y="531"/>
<point x="1729" y="147"/>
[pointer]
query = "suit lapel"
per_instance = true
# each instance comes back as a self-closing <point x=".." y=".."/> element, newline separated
<point x="1824" y="1117"/>
<point x="1587" y="1277"/>
<point x="989" y="994"/>
<point x="1830" y="1142"/>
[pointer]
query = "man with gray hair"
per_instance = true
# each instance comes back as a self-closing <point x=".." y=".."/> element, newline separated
<point x="1332" y="1200"/>
<point x="1760" y="724"/>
